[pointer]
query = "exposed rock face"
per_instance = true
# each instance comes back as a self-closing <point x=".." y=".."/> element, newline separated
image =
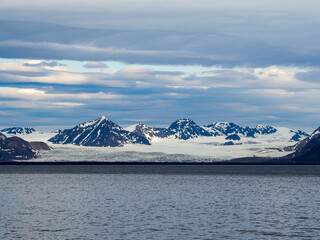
<point x="39" y="146"/>
<point x="2" y="136"/>
<point x="15" y="148"/>
<point x="101" y="132"/>
<point x="230" y="143"/>
<point x="229" y="128"/>
<point x="234" y="137"/>
<point x="186" y="128"/>
<point x="148" y="132"/>
<point x="18" y="130"/>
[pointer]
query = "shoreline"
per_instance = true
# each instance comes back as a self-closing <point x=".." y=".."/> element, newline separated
<point x="121" y="163"/>
<point x="173" y="168"/>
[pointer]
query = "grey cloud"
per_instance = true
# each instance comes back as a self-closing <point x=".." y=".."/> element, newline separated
<point x="202" y="39"/>
<point x="99" y="65"/>
<point x="37" y="50"/>
<point x="44" y="64"/>
<point x="312" y="75"/>
<point x="142" y="6"/>
<point x="143" y="77"/>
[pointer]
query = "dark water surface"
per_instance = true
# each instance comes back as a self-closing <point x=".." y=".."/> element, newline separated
<point x="282" y="202"/>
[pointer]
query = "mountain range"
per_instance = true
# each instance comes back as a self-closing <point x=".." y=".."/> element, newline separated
<point x="18" y="130"/>
<point x="103" y="132"/>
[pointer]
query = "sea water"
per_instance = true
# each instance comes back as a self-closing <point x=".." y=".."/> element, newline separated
<point x="160" y="206"/>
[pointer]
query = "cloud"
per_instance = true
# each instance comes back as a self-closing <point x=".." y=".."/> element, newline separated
<point x="136" y="76"/>
<point x="38" y="71"/>
<point x="67" y="104"/>
<point x="37" y="94"/>
<point x="262" y="67"/>
<point x="81" y="52"/>
<point x="99" y="65"/>
<point x="18" y="67"/>
<point x="42" y="63"/>
<point x="39" y="105"/>
<point x="143" y="6"/>
<point x="246" y="39"/>
<point x="310" y="76"/>
<point x="176" y="95"/>
<point x="242" y="95"/>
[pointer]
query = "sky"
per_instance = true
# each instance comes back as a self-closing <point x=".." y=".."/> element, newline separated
<point x="248" y="62"/>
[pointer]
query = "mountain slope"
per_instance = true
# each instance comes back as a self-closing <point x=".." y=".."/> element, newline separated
<point x="101" y="132"/>
<point x="15" y="148"/>
<point x="307" y="148"/>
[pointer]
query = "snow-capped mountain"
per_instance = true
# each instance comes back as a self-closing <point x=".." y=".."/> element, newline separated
<point x="186" y="128"/>
<point x="18" y="130"/>
<point x="223" y="128"/>
<point x="298" y="135"/>
<point x="101" y="132"/>
<point x="148" y="132"/>
<point x="307" y="143"/>
<point x="183" y="129"/>
<point x="229" y="128"/>
<point x="305" y="151"/>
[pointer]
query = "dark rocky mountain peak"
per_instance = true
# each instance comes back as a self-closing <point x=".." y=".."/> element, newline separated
<point x="101" y="132"/>
<point x="186" y="128"/>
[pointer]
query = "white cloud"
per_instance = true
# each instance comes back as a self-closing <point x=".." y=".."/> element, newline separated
<point x="18" y="67"/>
<point x="67" y="104"/>
<point x="37" y="94"/>
<point x="39" y="104"/>
<point x="42" y="71"/>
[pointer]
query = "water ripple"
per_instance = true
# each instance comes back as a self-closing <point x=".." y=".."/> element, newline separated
<point x="120" y="206"/>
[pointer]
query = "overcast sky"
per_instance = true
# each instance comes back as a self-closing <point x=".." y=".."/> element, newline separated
<point x="249" y="62"/>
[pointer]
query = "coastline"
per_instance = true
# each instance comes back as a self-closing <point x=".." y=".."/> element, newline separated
<point x="189" y="168"/>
